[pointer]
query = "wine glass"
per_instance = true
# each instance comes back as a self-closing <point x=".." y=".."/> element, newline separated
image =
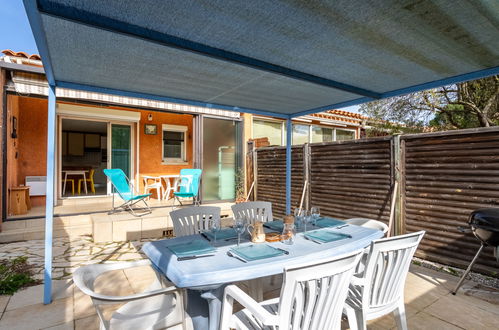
<point x="214" y="228"/>
<point x="239" y="227"/>
<point x="315" y="211"/>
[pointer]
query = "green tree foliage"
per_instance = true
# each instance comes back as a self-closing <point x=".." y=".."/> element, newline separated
<point x="465" y="105"/>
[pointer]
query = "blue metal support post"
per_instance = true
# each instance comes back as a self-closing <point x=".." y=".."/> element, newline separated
<point x="49" y="198"/>
<point x="289" y="131"/>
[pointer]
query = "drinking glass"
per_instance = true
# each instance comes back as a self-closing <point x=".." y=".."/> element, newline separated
<point x="239" y="227"/>
<point x="214" y="227"/>
<point x="298" y="217"/>
<point x="288" y="234"/>
<point x="315" y="211"/>
<point x="307" y="219"/>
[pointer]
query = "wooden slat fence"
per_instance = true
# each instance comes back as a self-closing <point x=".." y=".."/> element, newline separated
<point x="443" y="177"/>
<point x="352" y="178"/>
<point x="271" y="177"/>
<point x="447" y="175"/>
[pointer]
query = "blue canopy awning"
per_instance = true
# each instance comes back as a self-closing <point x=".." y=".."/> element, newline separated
<point x="284" y="58"/>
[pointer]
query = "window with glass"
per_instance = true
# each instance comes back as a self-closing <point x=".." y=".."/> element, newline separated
<point x="269" y="129"/>
<point x="342" y="135"/>
<point x="322" y="134"/>
<point x="174" y="143"/>
<point x="301" y="133"/>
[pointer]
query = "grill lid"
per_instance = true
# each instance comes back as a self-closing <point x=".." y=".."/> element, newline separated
<point x="487" y="218"/>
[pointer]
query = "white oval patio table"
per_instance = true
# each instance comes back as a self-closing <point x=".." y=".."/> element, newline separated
<point x="206" y="278"/>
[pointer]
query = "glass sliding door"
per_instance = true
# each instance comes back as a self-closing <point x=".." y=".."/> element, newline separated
<point x="121" y="147"/>
<point x="221" y="158"/>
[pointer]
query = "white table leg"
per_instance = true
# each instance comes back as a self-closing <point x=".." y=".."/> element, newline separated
<point x="65" y="180"/>
<point x="85" y="183"/>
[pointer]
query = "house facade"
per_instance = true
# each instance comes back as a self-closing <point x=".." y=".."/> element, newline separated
<point x="95" y="131"/>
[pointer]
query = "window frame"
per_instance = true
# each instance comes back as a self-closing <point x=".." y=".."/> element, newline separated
<point x="270" y="120"/>
<point x="179" y="129"/>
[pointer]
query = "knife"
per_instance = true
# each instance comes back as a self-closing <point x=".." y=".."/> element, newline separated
<point x="313" y="240"/>
<point x="284" y="251"/>
<point x="194" y="257"/>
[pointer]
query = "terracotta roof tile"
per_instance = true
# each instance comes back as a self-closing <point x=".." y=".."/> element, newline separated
<point x="12" y="53"/>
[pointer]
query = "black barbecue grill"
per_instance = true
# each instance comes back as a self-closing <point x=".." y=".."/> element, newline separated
<point x="484" y="224"/>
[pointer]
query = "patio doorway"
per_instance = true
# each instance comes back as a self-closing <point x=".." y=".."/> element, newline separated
<point x="83" y="157"/>
<point x="87" y="147"/>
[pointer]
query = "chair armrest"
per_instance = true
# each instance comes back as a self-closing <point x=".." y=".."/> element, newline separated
<point x="254" y="307"/>
<point x="358" y="281"/>
<point x="84" y="278"/>
<point x="118" y="299"/>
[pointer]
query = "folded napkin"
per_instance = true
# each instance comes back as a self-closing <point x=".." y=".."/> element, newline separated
<point x="225" y="233"/>
<point x="196" y="247"/>
<point x="256" y="252"/>
<point x="276" y="225"/>
<point x="329" y="222"/>
<point x="326" y="236"/>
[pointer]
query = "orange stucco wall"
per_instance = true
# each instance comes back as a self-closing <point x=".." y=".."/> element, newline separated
<point x="26" y="155"/>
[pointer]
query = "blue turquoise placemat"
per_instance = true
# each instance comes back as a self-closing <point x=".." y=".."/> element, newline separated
<point x="325" y="236"/>
<point x="257" y="251"/>
<point x="329" y="222"/>
<point x="276" y="225"/>
<point x="225" y="233"/>
<point x="195" y="247"/>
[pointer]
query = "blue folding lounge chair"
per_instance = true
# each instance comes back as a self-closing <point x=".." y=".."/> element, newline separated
<point x="125" y="190"/>
<point x="189" y="185"/>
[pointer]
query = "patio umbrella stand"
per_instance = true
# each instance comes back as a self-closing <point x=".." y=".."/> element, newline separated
<point x="484" y="224"/>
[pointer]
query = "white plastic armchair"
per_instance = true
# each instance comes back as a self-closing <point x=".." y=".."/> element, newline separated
<point x="160" y="306"/>
<point x="368" y="223"/>
<point x="253" y="211"/>
<point x="379" y="290"/>
<point x="312" y="297"/>
<point x="192" y="220"/>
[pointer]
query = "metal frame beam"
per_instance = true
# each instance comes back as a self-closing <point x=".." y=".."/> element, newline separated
<point x="289" y="142"/>
<point x="49" y="197"/>
<point x="96" y="89"/>
<point x="35" y="21"/>
<point x="416" y="88"/>
<point x="109" y="24"/>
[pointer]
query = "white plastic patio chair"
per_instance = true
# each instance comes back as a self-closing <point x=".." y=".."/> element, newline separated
<point x="192" y="220"/>
<point x="379" y="290"/>
<point x="312" y="297"/>
<point x="160" y="306"/>
<point x="253" y="211"/>
<point x="152" y="183"/>
<point x="368" y="223"/>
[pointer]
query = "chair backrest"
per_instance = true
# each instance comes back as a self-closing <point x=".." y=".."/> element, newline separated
<point x="313" y="295"/>
<point x="253" y="211"/>
<point x="189" y="181"/>
<point x="368" y="223"/>
<point x="120" y="182"/>
<point x="194" y="219"/>
<point x="386" y="269"/>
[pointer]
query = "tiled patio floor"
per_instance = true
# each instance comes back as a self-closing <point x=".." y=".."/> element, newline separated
<point x="429" y="303"/>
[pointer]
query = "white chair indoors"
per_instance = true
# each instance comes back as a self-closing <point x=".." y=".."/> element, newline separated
<point x="160" y="306"/>
<point x="312" y="297"/>
<point x="368" y="223"/>
<point x="253" y="211"/>
<point x="192" y="220"/>
<point x="379" y="290"/>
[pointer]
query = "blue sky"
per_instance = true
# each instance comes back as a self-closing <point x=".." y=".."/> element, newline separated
<point x="16" y="33"/>
<point x="14" y="26"/>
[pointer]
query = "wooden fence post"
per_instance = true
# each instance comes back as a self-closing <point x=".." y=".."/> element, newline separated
<point x="306" y="173"/>
<point x="397" y="178"/>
